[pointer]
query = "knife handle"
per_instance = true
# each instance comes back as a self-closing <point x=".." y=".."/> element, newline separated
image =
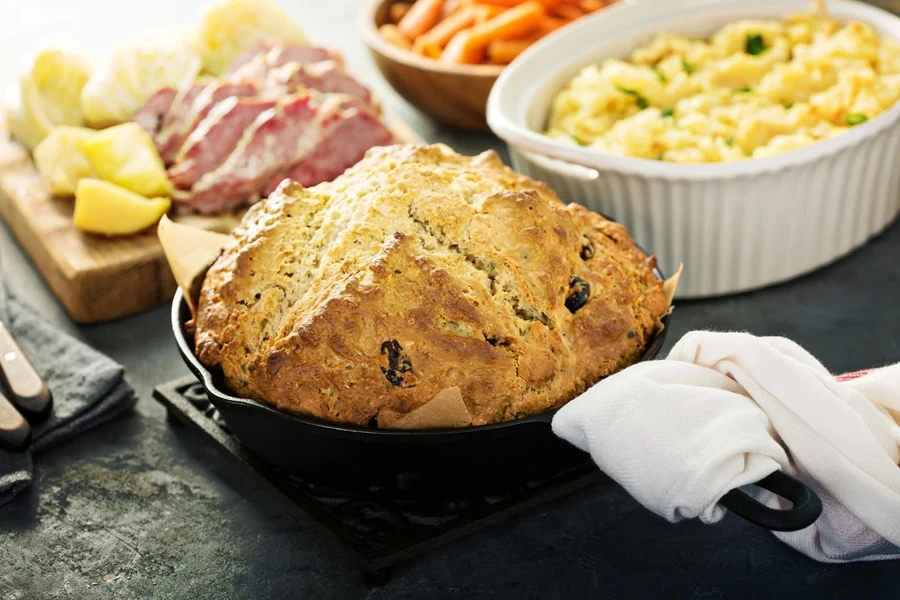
<point x="27" y="390"/>
<point x="15" y="433"/>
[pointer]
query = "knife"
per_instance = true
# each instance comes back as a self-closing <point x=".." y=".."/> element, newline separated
<point x="15" y="433"/>
<point x="27" y="390"/>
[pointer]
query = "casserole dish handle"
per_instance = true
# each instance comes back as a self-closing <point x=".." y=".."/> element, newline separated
<point x="806" y="504"/>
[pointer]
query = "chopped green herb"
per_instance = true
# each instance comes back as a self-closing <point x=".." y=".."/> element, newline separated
<point x="743" y="90"/>
<point x="660" y="75"/>
<point x="688" y="67"/>
<point x="755" y="44"/>
<point x="789" y="105"/>
<point x="661" y="156"/>
<point x="856" y="119"/>
<point x="730" y="141"/>
<point x="667" y="113"/>
<point x="638" y="98"/>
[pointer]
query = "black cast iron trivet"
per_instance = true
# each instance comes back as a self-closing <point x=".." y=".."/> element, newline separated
<point x="384" y="523"/>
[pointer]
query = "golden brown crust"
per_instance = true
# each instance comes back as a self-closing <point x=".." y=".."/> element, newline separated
<point x="418" y="270"/>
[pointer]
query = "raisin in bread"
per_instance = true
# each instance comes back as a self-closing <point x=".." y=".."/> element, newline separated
<point x="359" y="300"/>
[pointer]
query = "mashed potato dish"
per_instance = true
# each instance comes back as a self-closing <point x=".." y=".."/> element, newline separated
<point x="755" y="89"/>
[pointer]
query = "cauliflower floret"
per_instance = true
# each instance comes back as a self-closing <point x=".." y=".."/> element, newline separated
<point x="757" y="88"/>
<point x="634" y="82"/>
<point x="758" y="129"/>
<point x="739" y="71"/>
<point x="888" y="62"/>
<point x="853" y="41"/>
<point x="668" y="45"/>
<point x="784" y="143"/>
<point x="739" y="37"/>
<point x="638" y="136"/>
<point x="795" y="82"/>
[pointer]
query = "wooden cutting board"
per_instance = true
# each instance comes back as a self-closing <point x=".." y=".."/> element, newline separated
<point x="95" y="278"/>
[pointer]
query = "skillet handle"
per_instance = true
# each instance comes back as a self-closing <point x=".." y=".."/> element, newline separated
<point x="807" y="506"/>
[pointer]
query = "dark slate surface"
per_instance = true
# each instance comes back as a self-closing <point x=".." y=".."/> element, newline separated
<point x="146" y="503"/>
<point x="140" y="509"/>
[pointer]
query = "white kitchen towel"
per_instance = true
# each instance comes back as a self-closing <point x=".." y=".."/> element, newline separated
<point x="726" y="409"/>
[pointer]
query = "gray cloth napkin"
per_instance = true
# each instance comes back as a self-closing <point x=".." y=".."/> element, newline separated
<point x="88" y="389"/>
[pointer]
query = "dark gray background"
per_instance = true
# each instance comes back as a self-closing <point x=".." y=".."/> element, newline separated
<point x="144" y="502"/>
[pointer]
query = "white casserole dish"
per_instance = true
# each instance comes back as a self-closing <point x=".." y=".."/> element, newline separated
<point x="735" y="226"/>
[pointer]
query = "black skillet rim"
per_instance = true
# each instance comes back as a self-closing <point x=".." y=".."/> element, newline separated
<point x="218" y="396"/>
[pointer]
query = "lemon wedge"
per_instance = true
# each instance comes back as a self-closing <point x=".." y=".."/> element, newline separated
<point x="230" y="27"/>
<point x="49" y="95"/>
<point x="105" y="208"/>
<point x="135" y="73"/>
<point x="125" y="155"/>
<point x="61" y="161"/>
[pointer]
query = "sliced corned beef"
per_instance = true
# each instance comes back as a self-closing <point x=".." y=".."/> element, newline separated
<point x="342" y="118"/>
<point x="346" y="143"/>
<point x="276" y="138"/>
<point x="151" y="116"/>
<point x="296" y="139"/>
<point x="280" y="111"/>
<point x="265" y="58"/>
<point x="189" y="115"/>
<point x="246" y="57"/>
<point x="214" y="138"/>
<point x="326" y="77"/>
<point x="178" y="109"/>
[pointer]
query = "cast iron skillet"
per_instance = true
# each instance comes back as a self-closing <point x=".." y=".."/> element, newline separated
<point x="482" y="456"/>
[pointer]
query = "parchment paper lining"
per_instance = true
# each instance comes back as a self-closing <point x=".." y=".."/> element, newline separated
<point x="670" y="286"/>
<point x="447" y="409"/>
<point x="190" y="251"/>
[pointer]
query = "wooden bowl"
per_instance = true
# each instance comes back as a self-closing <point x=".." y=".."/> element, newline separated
<point x="451" y="93"/>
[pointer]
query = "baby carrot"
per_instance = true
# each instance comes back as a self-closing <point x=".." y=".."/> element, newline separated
<point x="569" y="11"/>
<point x="590" y="6"/>
<point x="548" y="4"/>
<point x="441" y="33"/>
<point x="451" y="6"/>
<point x="502" y="52"/>
<point x="462" y="49"/>
<point x="398" y="10"/>
<point x="423" y="15"/>
<point x="486" y="12"/>
<point x="394" y="36"/>
<point x="426" y="47"/>
<point x="548" y="24"/>
<point x="551" y="5"/>
<point x="507" y="3"/>
<point x="469" y="45"/>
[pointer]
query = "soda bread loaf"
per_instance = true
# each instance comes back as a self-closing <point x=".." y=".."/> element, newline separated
<point x="418" y="269"/>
